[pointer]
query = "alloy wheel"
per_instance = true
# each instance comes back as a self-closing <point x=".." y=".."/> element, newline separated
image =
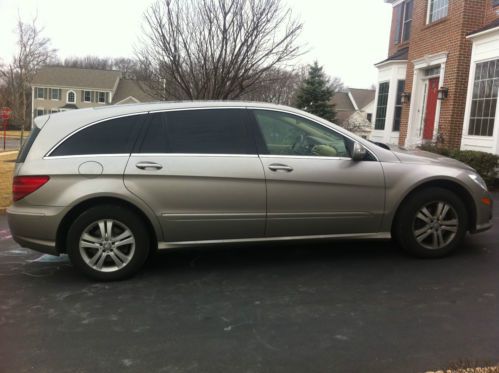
<point x="107" y="245"/>
<point x="435" y="225"/>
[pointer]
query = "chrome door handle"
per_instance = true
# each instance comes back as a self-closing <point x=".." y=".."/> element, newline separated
<point x="146" y="165"/>
<point x="280" y="167"/>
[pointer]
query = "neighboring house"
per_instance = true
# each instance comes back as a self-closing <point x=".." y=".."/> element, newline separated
<point x="57" y="88"/>
<point x="441" y="79"/>
<point x="354" y="109"/>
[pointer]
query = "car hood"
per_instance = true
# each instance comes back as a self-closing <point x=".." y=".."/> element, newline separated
<point x="420" y="156"/>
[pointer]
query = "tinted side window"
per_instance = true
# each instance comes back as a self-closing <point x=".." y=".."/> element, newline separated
<point x="115" y="136"/>
<point x="213" y="131"/>
<point x="287" y="134"/>
<point x="155" y="140"/>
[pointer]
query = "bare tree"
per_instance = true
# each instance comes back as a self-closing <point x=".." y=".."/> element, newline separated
<point x="33" y="51"/>
<point x="357" y="124"/>
<point x="214" y="49"/>
<point x="88" y="62"/>
<point x="277" y="86"/>
<point x="128" y="66"/>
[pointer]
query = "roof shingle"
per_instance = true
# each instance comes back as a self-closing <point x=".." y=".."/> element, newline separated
<point x="61" y="76"/>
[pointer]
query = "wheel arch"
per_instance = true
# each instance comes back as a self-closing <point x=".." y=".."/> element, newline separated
<point x="86" y="204"/>
<point x="453" y="186"/>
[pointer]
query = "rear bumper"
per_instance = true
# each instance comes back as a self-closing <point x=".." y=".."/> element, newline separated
<point x="35" y="227"/>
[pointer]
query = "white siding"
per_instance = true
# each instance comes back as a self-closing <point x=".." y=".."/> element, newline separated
<point x="391" y="72"/>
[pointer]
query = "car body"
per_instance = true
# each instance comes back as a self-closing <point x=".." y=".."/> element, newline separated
<point x="198" y="173"/>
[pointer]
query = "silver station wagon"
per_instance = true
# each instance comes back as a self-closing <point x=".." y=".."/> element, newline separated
<point x="109" y="186"/>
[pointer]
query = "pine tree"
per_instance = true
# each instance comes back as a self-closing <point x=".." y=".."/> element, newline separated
<point x="315" y="93"/>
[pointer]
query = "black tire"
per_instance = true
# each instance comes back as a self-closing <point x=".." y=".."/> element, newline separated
<point x="408" y="224"/>
<point x="123" y="218"/>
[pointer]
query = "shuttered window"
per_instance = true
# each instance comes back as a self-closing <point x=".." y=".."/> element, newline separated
<point x="382" y="106"/>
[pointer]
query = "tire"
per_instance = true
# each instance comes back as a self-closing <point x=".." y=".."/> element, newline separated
<point x="117" y="255"/>
<point x="418" y="225"/>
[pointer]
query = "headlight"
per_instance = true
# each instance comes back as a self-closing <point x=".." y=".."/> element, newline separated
<point x="478" y="179"/>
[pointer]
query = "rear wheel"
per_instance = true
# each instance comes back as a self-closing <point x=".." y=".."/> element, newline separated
<point x="431" y="223"/>
<point x="108" y="243"/>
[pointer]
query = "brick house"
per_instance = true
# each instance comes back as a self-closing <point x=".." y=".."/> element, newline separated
<point x="57" y="88"/>
<point x="441" y="78"/>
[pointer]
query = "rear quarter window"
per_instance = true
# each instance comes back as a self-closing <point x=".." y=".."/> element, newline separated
<point x="114" y="136"/>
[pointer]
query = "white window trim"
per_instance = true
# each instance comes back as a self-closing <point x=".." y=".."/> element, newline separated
<point x="98" y="101"/>
<point x="60" y="93"/>
<point x="85" y="99"/>
<point x="36" y="93"/>
<point x="472" y="142"/>
<point x="376" y="105"/>
<point x="428" y="13"/>
<point x="67" y="97"/>
<point x="415" y="125"/>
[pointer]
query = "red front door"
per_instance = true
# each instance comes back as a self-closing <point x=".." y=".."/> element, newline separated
<point x="431" y="108"/>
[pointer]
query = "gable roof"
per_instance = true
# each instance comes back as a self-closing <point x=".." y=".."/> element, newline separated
<point x="132" y="88"/>
<point x="362" y="97"/>
<point x="74" y="77"/>
<point x="342" y="102"/>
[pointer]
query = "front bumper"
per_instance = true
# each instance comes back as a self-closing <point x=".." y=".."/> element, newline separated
<point x="35" y="227"/>
<point x="484" y="214"/>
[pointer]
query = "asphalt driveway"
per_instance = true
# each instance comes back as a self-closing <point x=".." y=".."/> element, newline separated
<point x="330" y="307"/>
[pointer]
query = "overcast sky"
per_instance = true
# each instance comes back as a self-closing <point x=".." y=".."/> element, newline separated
<point x="346" y="37"/>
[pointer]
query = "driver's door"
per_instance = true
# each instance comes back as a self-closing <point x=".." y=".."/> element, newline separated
<point x="313" y="185"/>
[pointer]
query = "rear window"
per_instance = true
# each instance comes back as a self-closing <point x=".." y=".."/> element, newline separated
<point x="23" y="153"/>
<point x="114" y="136"/>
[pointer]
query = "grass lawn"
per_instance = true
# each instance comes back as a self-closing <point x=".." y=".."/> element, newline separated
<point x="14" y="133"/>
<point x="6" y="170"/>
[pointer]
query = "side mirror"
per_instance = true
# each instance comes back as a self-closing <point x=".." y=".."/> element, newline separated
<point x="358" y="152"/>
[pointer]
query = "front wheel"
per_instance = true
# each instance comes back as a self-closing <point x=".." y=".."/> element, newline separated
<point x="108" y="243"/>
<point x="431" y="223"/>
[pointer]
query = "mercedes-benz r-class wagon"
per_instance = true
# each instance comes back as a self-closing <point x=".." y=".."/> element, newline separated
<point x="109" y="186"/>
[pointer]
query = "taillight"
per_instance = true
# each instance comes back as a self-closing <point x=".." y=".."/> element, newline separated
<point x="24" y="185"/>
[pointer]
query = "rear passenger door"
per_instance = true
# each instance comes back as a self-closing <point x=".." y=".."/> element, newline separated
<point x="199" y="171"/>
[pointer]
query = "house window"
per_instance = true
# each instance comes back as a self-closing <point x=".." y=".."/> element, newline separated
<point x="438" y="9"/>
<point x="56" y="94"/>
<point x="381" y="106"/>
<point x="102" y="97"/>
<point x="484" y="99"/>
<point x="369" y="117"/>
<point x="71" y="97"/>
<point x="432" y="71"/>
<point x="404" y="21"/>
<point x="54" y="110"/>
<point x="87" y="96"/>
<point x="39" y="112"/>
<point x="39" y="94"/>
<point x="398" y="106"/>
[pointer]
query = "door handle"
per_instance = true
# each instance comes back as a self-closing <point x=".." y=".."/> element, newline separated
<point x="146" y="165"/>
<point x="280" y="167"/>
